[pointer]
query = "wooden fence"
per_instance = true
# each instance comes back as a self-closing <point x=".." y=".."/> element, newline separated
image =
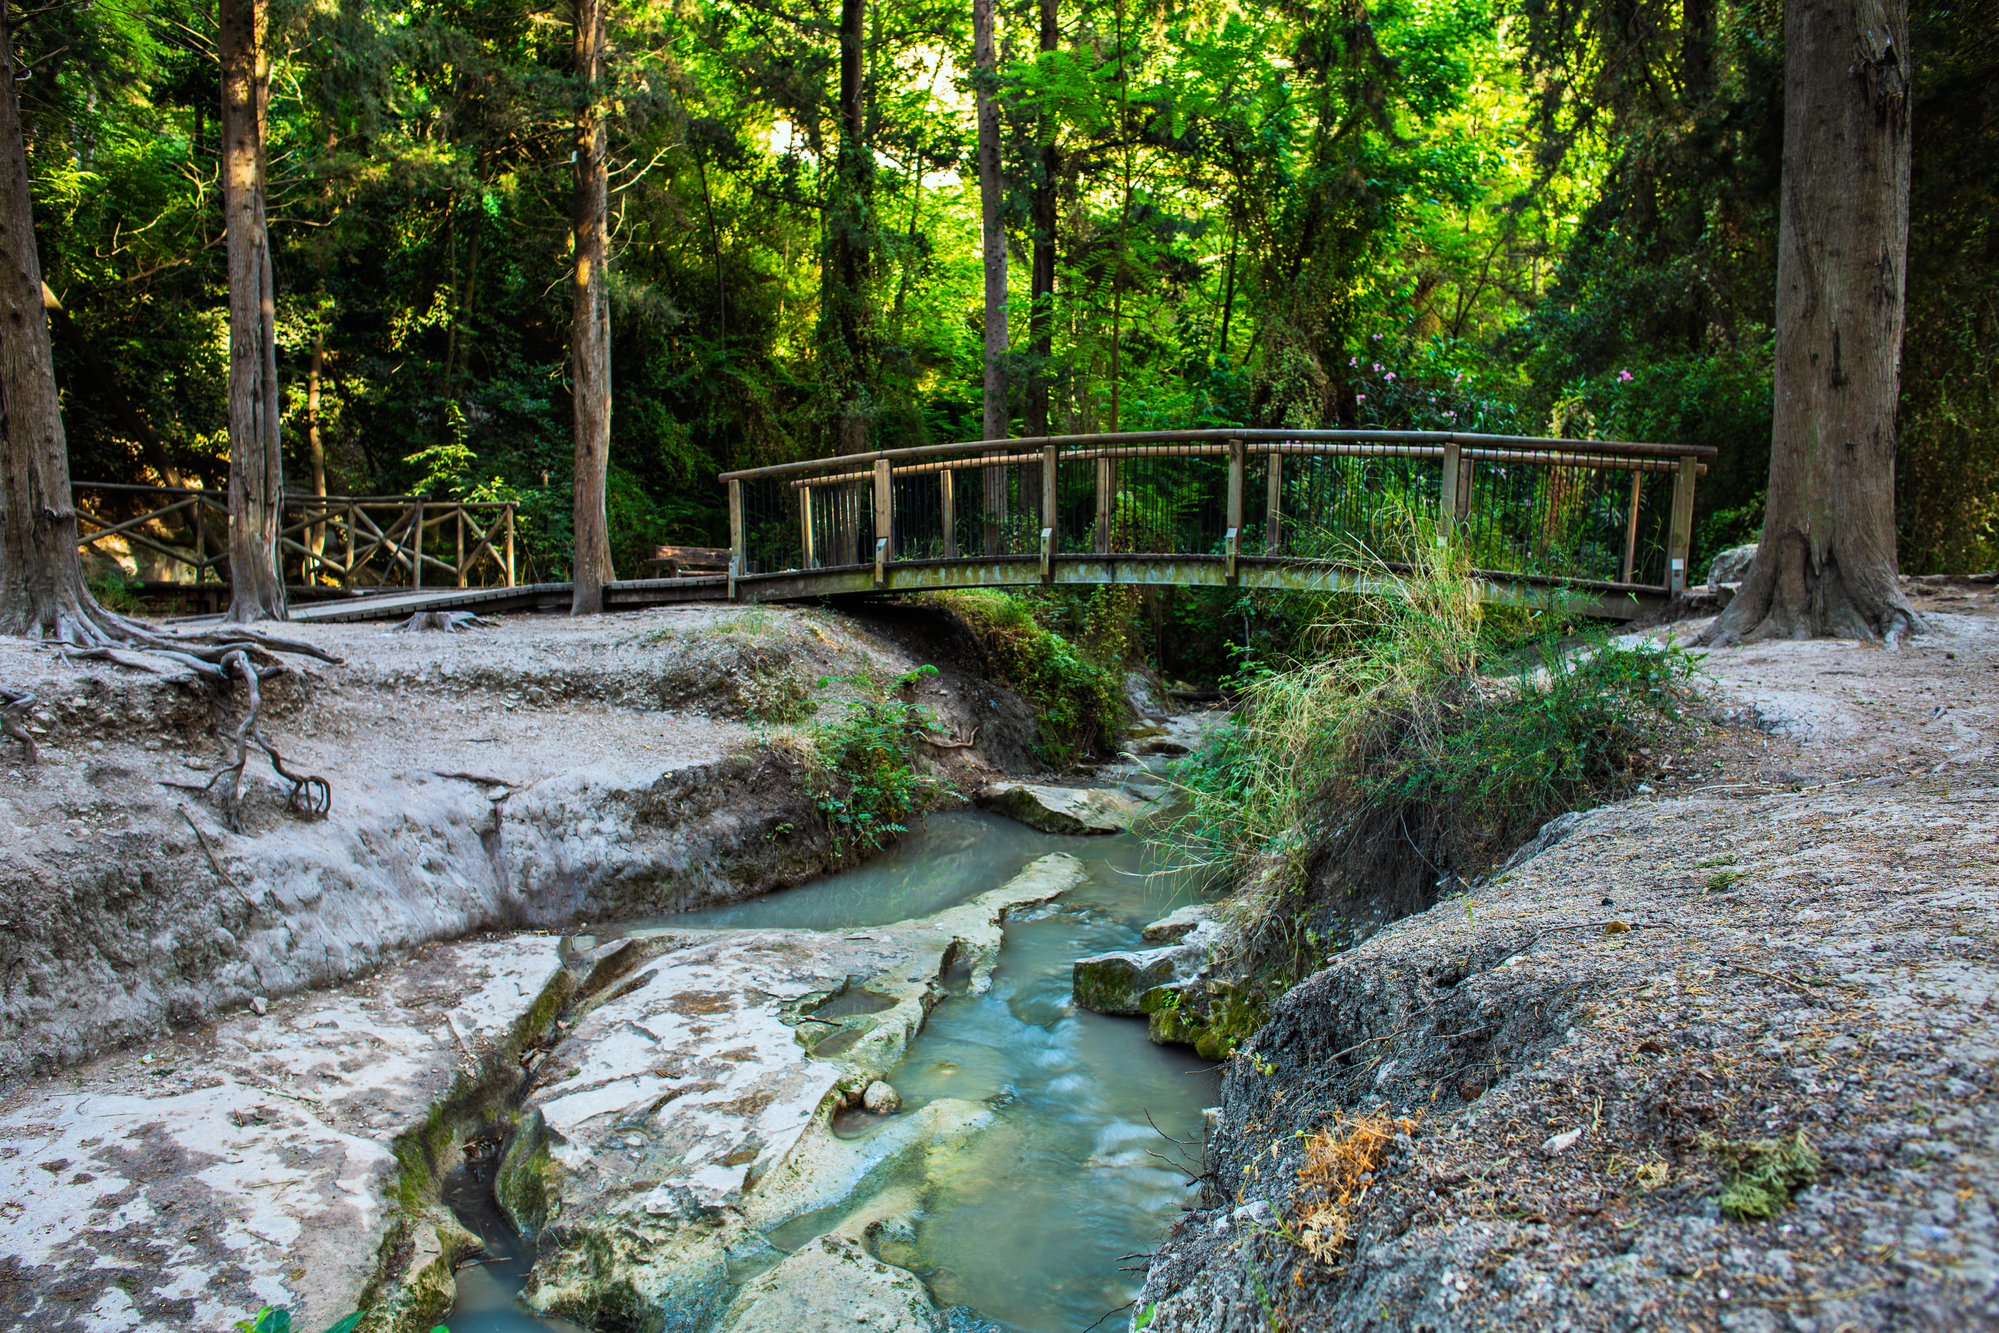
<point x="328" y="545"/>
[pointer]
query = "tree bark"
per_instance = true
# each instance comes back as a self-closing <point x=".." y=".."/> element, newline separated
<point x="1827" y="563"/>
<point x="590" y="329"/>
<point x="845" y="344"/>
<point x="1041" y="282"/>
<point x="256" y="466"/>
<point x="42" y="592"/>
<point x="992" y="234"/>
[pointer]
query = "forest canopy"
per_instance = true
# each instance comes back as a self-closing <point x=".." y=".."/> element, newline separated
<point x="1557" y="216"/>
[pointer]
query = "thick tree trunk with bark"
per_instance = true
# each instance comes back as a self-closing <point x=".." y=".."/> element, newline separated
<point x="590" y="330"/>
<point x="256" y="466"/>
<point x="42" y="592"/>
<point x="1041" y="281"/>
<point x="846" y="344"/>
<point x="993" y="247"/>
<point x="1826" y="564"/>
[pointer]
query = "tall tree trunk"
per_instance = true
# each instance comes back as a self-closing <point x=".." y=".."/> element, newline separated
<point x="590" y="328"/>
<point x="315" y="443"/>
<point x="1041" y="282"/>
<point x="256" y="466"/>
<point x="42" y="592"/>
<point x="993" y="245"/>
<point x="1826" y="564"/>
<point x="845" y="343"/>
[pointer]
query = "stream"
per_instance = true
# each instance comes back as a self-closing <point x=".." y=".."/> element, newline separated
<point x="1035" y="1229"/>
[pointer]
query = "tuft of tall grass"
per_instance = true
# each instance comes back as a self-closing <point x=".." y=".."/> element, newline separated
<point x="1415" y="738"/>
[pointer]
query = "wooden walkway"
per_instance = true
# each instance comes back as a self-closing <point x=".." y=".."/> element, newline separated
<point x="1595" y="527"/>
<point x="624" y="595"/>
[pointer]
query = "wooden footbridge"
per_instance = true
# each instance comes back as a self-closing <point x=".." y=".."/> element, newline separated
<point x="1600" y="527"/>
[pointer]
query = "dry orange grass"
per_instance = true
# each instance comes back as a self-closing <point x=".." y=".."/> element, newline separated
<point x="1339" y="1169"/>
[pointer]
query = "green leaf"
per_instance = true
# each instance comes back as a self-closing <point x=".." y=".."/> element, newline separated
<point x="347" y="1325"/>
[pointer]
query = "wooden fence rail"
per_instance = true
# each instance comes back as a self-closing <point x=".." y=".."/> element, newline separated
<point x="330" y="544"/>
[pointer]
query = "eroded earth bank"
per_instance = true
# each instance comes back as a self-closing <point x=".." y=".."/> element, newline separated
<point x="1769" y="983"/>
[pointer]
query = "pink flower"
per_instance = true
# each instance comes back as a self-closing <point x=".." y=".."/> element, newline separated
<point x="1389" y="376"/>
<point x="1623" y="376"/>
<point x="1450" y="414"/>
<point x="1360" y="397"/>
<point x="1353" y="360"/>
<point x="1377" y="365"/>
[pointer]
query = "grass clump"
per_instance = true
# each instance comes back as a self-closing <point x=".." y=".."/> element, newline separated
<point x="1763" y="1174"/>
<point x="1337" y="1173"/>
<point x="864" y="777"/>
<point x="1074" y="679"/>
<point x="1418" y="751"/>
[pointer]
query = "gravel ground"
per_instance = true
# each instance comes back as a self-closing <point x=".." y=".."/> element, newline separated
<point x="1555" y="1076"/>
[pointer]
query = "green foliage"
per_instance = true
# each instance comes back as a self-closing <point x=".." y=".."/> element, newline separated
<point x="1075" y="681"/>
<point x="1425" y="214"/>
<point x="863" y="778"/>
<point x="1762" y="1175"/>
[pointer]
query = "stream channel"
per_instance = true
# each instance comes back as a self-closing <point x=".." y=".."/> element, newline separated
<point x="1044" y="1227"/>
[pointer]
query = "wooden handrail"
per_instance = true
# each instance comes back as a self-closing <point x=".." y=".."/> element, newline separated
<point x="1438" y="439"/>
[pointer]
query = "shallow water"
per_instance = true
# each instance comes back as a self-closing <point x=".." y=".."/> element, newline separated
<point x="1030" y="1224"/>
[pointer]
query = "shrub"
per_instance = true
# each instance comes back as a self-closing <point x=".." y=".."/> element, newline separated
<point x="1404" y="747"/>
<point x="864" y="780"/>
<point x="1076" y="685"/>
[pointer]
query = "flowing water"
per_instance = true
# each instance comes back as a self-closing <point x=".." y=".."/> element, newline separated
<point x="1041" y="1222"/>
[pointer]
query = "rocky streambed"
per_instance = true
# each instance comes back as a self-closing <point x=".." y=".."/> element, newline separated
<point x="871" y="1095"/>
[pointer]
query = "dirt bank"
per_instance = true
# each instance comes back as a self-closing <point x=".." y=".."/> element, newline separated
<point x="1524" y="1107"/>
<point x="536" y="773"/>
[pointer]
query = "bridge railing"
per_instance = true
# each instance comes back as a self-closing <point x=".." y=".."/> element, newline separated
<point x="350" y="543"/>
<point x="1609" y="515"/>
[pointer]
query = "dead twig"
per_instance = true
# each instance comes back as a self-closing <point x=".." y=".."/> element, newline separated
<point x="214" y="864"/>
<point x="17" y="702"/>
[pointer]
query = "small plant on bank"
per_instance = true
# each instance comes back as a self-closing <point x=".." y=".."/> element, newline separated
<point x="1764" y="1174"/>
<point x="864" y="776"/>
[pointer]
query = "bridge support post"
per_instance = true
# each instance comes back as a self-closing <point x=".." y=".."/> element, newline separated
<point x="884" y="533"/>
<point x="416" y="549"/>
<point x="1682" y="538"/>
<point x="805" y="560"/>
<point x="1273" y="510"/>
<point x="947" y="495"/>
<point x="1047" y="511"/>
<point x="1448" y="500"/>
<point x="736" y="561"/>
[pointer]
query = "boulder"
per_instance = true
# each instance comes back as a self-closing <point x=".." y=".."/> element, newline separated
<point x="1075" y="809"/>
<point x="831" y="1285"/>
<point x="1112" y="983"/>
<point x="1178" y="924"/>
<point x="1145" y="697"/>
<point x="1731" y="566"/>
<point x="881" y="1099"/>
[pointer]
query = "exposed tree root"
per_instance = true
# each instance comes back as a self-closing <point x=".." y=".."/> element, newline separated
<point x="1790" y="594"/>
<point x="13" y="704"/>
<point x="310" y="795"/>
<point x="451" y="622"/>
